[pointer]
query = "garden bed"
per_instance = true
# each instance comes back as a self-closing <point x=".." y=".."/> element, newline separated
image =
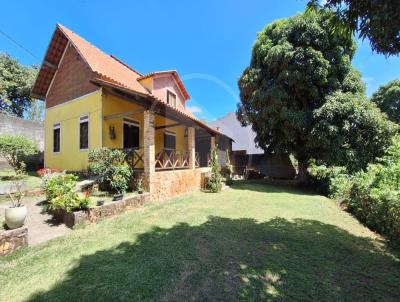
<point x="98" y="213"/>
<point x="11" y="240"/>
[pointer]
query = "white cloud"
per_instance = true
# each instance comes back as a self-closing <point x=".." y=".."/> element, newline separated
<point x="195" y="109"/>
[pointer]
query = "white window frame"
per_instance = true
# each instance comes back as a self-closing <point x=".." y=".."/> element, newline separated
<point x="56" y="126"/>
<point x="131" y="122"/>
<point x="82" y="119"/>
<point x="176" y="98"/>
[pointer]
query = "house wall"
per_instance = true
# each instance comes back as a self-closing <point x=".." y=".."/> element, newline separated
<point x="68" y="114"/>
<point x="71" y="80"/>
<point x="114" y="105"/>
<point x="160" y="86"/>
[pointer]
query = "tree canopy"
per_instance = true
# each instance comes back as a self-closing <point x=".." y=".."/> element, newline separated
<point x="378" y="20"/>
<point x="296" y="64"/>
<point x="16" y="82"/>
<point x="353" y="128"/>
<point x="387" y="98"/>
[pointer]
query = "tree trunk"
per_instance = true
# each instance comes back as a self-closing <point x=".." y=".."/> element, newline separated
<point x="303" y="176"/>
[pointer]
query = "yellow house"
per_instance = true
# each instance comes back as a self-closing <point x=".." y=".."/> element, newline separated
<point x="95" y="100"/>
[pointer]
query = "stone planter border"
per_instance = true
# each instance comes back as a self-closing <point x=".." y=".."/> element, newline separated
<point x="11" y="240"/>
<point x="98" y="213"/>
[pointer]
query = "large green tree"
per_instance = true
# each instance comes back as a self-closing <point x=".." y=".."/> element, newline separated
<point x="387" y="98"/>
<point x="296" y="64"/>
<point x="377" y="20"/>
<point x="16" y="82"/>
<point x="350" y="131"/>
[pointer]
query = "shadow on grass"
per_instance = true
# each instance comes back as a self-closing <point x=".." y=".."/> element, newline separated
<point x="235" y="259"/>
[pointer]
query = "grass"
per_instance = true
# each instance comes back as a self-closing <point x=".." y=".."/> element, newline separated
<point x="33" y="180"/>
<point x="250" y="243"/>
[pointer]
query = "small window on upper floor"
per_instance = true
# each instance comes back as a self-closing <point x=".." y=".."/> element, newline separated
<point x="171" y="98"/>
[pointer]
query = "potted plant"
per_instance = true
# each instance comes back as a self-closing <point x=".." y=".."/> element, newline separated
<point x="16" y="214"/>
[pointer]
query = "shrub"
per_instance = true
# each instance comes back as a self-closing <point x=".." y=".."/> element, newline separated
<point x="321" y="176"/>
<point x="14" y="148"/>
<point x="374" y="195"/>
<point x="227" y="170"/>
<point x="340" y="186"/>
<point x="110" y="169"/>
<point x="60" y="185"/>
<point x="214" y="183"/>
<point x="70" y="202"/>
<point x="120" y="177"/>
<point x="60" y="192"/>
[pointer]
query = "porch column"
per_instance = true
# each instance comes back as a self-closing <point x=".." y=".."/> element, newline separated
<point x="149" y="148"/>
<point x="191" y="148"/>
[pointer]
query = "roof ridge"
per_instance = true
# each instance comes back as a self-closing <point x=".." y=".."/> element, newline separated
<point x="126" y="65"/>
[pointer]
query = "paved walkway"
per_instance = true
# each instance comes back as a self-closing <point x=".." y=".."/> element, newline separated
<point x="40" y="225"/>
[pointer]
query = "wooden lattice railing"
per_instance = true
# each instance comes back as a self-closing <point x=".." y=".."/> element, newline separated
<point x="166" y="159"/>
<point x="134" y="157"/>
<point x="169" y="159"/>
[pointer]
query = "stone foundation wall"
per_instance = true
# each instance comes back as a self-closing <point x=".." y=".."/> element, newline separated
<point x="11" y="240"/>
<point x="167" y="184"/>
<point x="101" y="212"/>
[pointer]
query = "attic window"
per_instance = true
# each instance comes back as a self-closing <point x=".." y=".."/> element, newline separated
<point x="171" y="98"/>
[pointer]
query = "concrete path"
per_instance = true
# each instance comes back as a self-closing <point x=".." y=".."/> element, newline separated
<point x="40" y="225"/>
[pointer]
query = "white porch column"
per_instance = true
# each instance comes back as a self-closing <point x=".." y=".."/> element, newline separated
<point x="149" y="148"/>
<point x="192" y="147"/>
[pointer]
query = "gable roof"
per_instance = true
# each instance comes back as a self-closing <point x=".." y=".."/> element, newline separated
<point x="174" y="73"/>
<point x="107" y="69"/>
<point x="103" y="65"/>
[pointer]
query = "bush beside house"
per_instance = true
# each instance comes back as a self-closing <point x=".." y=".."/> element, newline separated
<point x="373" y="195"/>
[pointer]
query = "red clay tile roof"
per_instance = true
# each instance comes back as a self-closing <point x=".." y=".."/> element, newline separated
<point x="109" y="69"/>
<point x="106" y="66"/>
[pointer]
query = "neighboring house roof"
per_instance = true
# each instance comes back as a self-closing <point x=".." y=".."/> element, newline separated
<point x="174" y="73"/>
<point x="108" y="70"/>
<point x="243" y="136"/>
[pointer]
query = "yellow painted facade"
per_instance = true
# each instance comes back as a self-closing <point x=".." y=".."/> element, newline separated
<point x="68" y="114"/>
<point x="97" y="106"/>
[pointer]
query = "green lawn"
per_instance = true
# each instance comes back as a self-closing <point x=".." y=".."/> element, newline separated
<point x="33" y="180"/>
<point x="251" y="243"/>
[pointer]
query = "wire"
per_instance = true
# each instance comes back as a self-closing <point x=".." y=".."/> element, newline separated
<point x="18" y="44"/>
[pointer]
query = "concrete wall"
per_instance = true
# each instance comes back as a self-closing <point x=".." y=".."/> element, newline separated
<point x="11" y="125"/>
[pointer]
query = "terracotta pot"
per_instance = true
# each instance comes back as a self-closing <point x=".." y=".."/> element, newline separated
<point x="15" y="217"/>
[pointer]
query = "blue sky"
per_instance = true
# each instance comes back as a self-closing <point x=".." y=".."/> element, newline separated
<point x="208" y="42"/>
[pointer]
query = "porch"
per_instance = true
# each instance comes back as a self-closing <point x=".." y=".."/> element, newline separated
<point x="159" y="141"/>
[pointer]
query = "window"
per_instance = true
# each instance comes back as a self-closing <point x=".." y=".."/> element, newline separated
<point x="171" y="98"/>
<point x="169" y="140"/>
<point x="131" y="134"/>
<point x="56" y="137"/>
<point x="84" y="132"/>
